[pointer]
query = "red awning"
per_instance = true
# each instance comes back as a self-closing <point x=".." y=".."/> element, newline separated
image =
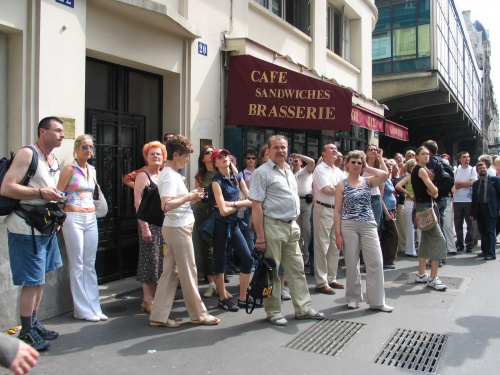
<point x="396" y="131"/>
<point x="263" y="94"/>
<point x="367" y="119"/>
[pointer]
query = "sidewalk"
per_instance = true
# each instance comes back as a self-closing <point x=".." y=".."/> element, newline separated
<point x="468" y="314"/>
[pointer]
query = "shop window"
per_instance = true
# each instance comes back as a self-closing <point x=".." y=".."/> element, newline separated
<point x="295" y="12"/>
<point x="338" y="32"/>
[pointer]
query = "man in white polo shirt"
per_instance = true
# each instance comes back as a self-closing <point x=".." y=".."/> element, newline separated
<point x="326" y="255"/>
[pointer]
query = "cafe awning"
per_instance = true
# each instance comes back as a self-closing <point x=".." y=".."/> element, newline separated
<point x="263" y="94"/>
<point x="367" y="119"/>
<point x="395" y="130"/>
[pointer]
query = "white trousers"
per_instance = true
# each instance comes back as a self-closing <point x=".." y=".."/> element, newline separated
<point x="81" y="236"/>
<point x="410" y="231"/>
<point x="326" y="254"/>
<point x="449" y="227"/>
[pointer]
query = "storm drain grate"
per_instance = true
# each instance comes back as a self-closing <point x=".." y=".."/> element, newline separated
<point x="326" y="336"/>
<point x="413" y="350"/>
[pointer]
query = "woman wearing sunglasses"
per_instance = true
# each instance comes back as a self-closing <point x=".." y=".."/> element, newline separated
<point x="78" y="182"/>
<point x="355" y="228"/>
<point x="249" y="161"/>
<point x="202" y="212"/>
<point x="374" y="159"/>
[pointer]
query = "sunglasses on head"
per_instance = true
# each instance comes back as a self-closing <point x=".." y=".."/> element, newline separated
<point x="209" y="152"/>
<point x="356" y="162"/>
<point x="251" y="158"/>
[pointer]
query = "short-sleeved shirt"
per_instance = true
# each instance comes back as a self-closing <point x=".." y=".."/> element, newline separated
<point x="43" y="178"/>
<point x="172" y="184"/>
<point x="304" y="181"/>
<point x="247" y="177"/>
<point x="230" y="190"/>
<point x="464" y="195"/>
<point x="324" y="175"/>
<point x="276" y="190"/>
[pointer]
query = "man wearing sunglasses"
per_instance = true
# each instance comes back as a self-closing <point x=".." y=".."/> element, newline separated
<point x="326" y="176"/>
<point x="29" y="267"/>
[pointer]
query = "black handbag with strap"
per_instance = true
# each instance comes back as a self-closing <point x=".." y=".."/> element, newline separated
<point x="150" y="208"/>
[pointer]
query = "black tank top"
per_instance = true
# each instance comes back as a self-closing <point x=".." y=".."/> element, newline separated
<point x="419" y="188"/>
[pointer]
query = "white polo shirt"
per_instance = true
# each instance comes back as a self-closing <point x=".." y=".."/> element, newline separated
<point x="323" y="176"/>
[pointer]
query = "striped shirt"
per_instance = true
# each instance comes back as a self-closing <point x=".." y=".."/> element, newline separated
<point x="357" y="203"/>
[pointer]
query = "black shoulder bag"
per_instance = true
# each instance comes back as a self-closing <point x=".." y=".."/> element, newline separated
<point x="150" y="208"/>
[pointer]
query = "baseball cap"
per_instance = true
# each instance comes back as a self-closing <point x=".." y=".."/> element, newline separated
<point x="219" y="151"/>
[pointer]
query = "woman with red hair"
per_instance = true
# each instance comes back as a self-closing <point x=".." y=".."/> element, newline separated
<point x="149" y="267"/>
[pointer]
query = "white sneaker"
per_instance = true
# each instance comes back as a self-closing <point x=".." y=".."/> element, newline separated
<point x="101" y="316"/>
<point x="383" y="308"/>
<point x="421" y="278"/>
<point x="353" y="305"/>
<point x="285" y="295"/>
<point x="435" y="283"/>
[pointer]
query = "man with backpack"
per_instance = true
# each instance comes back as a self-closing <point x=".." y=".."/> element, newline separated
<point x="442" y="176"/>
<point x="275" y="208"/>
<point x="28" y="263"/>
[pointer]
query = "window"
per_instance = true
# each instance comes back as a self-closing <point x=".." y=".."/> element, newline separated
<point x="295" y="12"/>
<point x="338" y="32"/>
<point x="401" y="40"/>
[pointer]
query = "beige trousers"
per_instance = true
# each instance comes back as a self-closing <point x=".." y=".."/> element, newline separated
<point x="178" y="265"/>
<point x="282" y="246"/>
<point x="326" y="254"/>
<point x="304" y="223"/>
<point x="400" y="223"/>
<point x="363" y="235"/>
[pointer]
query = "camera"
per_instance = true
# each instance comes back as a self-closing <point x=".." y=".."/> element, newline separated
<point x="64" y="196"/>
<point x="290" y="160"/>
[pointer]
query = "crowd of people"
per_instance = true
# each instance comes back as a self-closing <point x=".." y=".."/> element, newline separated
<point x="295" y="210"/>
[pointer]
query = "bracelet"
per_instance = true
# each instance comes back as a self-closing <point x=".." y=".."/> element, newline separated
<point x="40" y="191"/>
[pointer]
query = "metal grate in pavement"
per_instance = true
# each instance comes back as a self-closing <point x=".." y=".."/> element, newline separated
<point x="326" y="336"/>
<point x="413" y="350"/>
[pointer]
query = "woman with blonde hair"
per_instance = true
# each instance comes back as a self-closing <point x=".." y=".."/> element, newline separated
<point x="78" y="181"/>
<point x="355" y="228"/>
<point x="149" y="266"/>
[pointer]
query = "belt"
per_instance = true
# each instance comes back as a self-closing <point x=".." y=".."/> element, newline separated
<point x="284" y="221"/>
<point x="325" y="204"/>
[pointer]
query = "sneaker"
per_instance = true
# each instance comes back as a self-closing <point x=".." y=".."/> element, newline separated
<point x="210" y="292"/>
<point x="435" y="283"/>
<point x="353" y="305"/>
<point x="285" y="295"/>
<point x="33" y="339"/>
<point x="421" y="278"/>
<point x="44" y="332"/>
<point x="384" y="308"/>
<point x="228" y="305"/>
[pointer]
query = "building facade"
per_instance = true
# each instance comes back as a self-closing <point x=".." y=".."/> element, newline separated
<point x="426" y="72"/>
<point x="128" y="71"/>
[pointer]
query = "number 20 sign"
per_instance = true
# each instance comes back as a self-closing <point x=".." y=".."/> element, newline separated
<point x="202" y="48"/>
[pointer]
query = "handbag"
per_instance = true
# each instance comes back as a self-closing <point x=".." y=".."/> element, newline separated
<point x="150" y="208"/>
<point x="426" y="218"/>
<point x="101" y="206"/>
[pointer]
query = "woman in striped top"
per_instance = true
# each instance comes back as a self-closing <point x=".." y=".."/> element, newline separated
<point x="355" y="228"/>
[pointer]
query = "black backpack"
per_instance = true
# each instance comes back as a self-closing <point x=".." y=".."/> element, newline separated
<point x="7" y="204"/>
<point x="444" y="178"/>
<point x="261" y="285"/>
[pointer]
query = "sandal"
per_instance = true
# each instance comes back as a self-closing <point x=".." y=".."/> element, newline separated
<point x="228" y="305"/>
<point x="169" y="324"/>
<point x="147" y="307"/>
<point x="278" y="320"/>
<point x="313" y="314"/>
<point x="209" y="321"/>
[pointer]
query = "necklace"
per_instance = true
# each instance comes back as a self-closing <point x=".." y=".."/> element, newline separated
<point x="44" y="154"/>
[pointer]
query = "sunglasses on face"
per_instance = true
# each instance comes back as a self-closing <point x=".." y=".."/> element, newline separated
<point x="209" y="152"/>
<point x="372" y="149"/>
<point x="295" y="161"/>
<point x="356" y="162"/>
<point x="86" y="148"/>
<point x="251" y="158"/>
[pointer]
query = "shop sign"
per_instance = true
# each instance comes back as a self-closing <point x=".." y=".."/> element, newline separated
<point x="264" y="94"/>
<point x="366" y="119"/>
<point x="396" y="131"/>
